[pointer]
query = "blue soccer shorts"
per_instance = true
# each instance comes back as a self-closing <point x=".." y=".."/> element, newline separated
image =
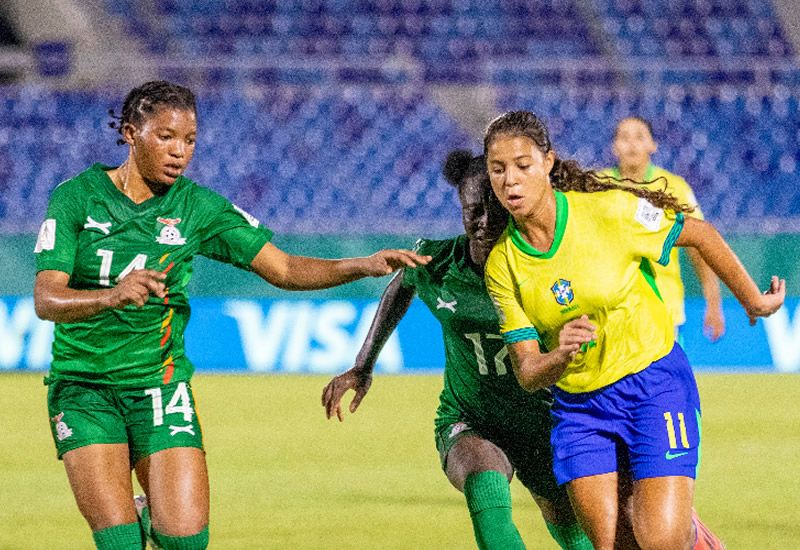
<point x="647" y="423"/>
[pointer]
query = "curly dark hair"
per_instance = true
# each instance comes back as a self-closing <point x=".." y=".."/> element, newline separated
<point x="567" y="175"/>
<point x="143" y="101"/>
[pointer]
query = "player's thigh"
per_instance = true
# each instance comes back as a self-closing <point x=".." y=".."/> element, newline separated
<point x="594" y="500"/>
<point x="464" y="451"/>
<point x="167" y="448"/>
<point x="661" y="510"/>
<point x="100" y="478"/>
<point x="177" y="489"/>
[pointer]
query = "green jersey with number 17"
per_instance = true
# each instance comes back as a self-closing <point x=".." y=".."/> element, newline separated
<point x="479" y="383"/>
<point x="97" y="235"/>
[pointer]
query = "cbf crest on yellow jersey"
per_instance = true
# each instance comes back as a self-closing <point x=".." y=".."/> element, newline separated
<point x="600" y="265"/>
<point x="669" y="277"/>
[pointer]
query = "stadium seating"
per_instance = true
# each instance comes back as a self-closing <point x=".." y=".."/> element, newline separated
<point x="365" y="155"/>
<point x="365" y="160"/>
<point x="718" y="28"/>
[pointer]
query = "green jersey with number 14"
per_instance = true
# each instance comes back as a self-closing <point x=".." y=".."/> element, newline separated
<point x="479" y="383"/>
<point x="97" y="235"/>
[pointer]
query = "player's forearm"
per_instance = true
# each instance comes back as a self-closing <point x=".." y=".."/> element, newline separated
<point x="394" y="303"/>
<point x="536" y="370"/>
<point x="540" y="371"/>
<point x="723" y="262"/>
<point x="69" y="305"/>
<point x="305" y="273"/>
<point x="709" y="282"/>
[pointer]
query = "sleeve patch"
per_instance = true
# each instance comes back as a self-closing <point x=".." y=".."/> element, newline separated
<point x="250" y="218"/>
<point x="648" y="215"/>
<point x="47" y="236"/>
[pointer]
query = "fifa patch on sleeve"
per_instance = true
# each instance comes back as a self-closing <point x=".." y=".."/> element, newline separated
<point x="47" y="236"/>
<point x="648" y="215"/>
<point x="250" y="218"/>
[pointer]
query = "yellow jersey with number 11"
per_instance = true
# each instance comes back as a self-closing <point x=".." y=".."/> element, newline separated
<point x="600" y="265"/>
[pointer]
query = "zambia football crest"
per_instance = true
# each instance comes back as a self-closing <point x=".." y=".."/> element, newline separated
<point x="169" y="233"/>
<point x="562" y="290"/>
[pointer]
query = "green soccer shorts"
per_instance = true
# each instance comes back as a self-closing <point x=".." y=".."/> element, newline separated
<point x="148" y="420"/>
<point x="527" y="446"/>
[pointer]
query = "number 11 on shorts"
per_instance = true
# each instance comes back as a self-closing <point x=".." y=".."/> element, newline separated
<point x="673" y="440"/>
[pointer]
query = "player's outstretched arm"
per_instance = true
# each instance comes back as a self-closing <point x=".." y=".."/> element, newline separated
<point x="714" y="319"/>
<point x="291" y="272"/>
<point x="719" y="256"/>
<point x="393" y="306"/>
<point x="55" y="301"/>
<point x="536" y="370"/>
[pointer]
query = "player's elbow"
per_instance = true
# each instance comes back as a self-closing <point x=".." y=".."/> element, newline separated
<point x="43" y="307"/>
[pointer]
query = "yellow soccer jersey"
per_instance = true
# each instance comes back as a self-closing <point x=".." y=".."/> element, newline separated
<point x="669" y="276"/>
<point x="600" y="264"/>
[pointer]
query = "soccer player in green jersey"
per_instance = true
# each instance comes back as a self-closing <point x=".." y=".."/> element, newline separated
<point x="580" y="311"/>
<point x="114" y="258"/>
<point x="487" y="427"/>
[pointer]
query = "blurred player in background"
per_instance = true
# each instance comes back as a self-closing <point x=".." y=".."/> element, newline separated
<point x="487" y="427"/>
<point x="114" y="258"/>
<point x="579" y="307"/>
<point x="633" y="146"/>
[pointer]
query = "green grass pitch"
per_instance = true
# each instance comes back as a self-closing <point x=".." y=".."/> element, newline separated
<point x="284" y="477"/>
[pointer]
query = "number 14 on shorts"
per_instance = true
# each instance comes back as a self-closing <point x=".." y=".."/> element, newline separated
<point x="179" y="403"/>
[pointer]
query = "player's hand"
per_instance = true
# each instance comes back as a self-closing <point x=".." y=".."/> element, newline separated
<point x="770" y="302"/>
<point x="575" y="334"/>
<point x="714" y="323"/>
<point x="136" y="287"/>
<point x="357" y="379"/>
<point x="384" y="262"/>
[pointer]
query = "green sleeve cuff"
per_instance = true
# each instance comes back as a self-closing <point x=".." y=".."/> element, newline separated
<point x="672" y="238"/>
<point x="520" y="335"/>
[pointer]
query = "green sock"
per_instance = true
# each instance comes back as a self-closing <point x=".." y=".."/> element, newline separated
<point x="569" y="537"/>
<point x="119" y="537"/>
<point x="145" y="522"/>
<point x="489" y="503"/>
<point x="198" y="541"/>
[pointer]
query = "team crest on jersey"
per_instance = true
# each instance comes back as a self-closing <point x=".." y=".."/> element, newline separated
<point x="562" y="290"/>
<point x="62" y="430"/>
<point x="169" y="233"/>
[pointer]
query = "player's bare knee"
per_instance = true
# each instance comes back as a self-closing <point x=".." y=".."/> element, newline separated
<point x="665" y="537"/>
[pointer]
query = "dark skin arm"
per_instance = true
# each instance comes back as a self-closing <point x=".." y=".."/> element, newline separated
<point x="714" y="320"/>
<point x="393" y="306"/>
<point x="536" y="370"/>
<point x="726" y="265"/>
<point x="291" y="272"/>
<point x="55" y="301"/>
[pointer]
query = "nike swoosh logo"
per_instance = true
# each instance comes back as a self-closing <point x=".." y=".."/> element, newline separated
<point x="670" y="455"/>
<point x="522" y="282"/>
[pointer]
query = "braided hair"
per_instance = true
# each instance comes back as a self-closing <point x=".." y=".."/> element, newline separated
<point x="144" y="100"/>
<point x="567" y="175"/>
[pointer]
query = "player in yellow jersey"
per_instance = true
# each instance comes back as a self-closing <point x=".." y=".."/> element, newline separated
<point x="579" y="307"/>
<point x="633" y="146"/>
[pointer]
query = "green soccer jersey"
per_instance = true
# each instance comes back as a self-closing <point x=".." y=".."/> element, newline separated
<point x="97" y="235"/>
<point x="479" y="383"/>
